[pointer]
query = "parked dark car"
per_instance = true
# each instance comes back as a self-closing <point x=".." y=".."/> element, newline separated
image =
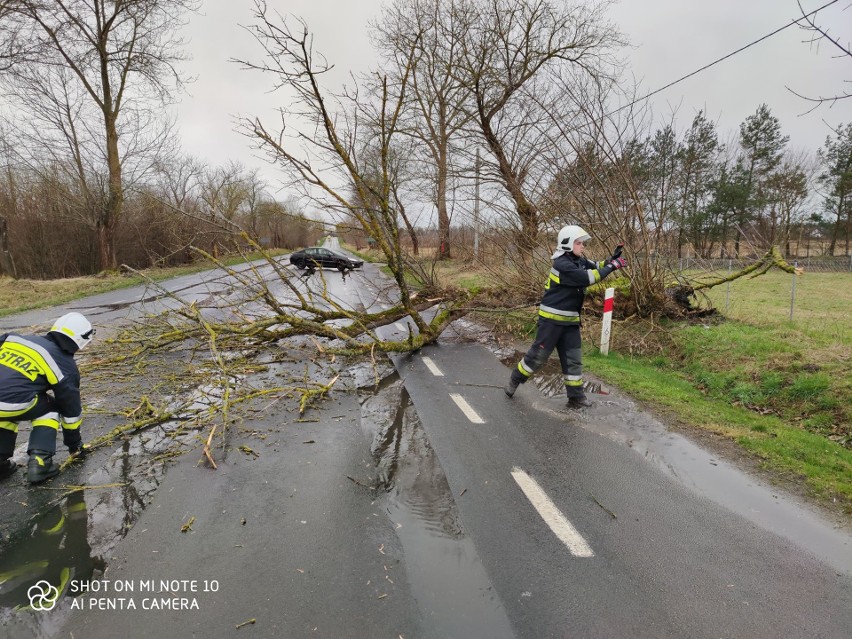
<point x="326" y="258"/>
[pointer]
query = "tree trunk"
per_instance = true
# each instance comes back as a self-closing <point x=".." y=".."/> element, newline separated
<point x="7" y="264"/>
<point x="111" y="213"/>
<point x="834" y="233"/>
<point x="106" y="244"/>
<point x="412" y="233"/>
<point x="443" y="217"/>
<point x="526" y="210"/>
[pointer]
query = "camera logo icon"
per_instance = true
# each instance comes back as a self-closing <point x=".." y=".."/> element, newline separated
<point x="43" y="596"/>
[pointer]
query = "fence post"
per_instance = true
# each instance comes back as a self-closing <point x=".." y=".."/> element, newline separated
<point x="793" y="292"/>
<point x="606" y="327"/>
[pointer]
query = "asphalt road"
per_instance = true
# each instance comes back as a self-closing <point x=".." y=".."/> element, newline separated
<point x="648" y="556"/>
<point x="556" y="523"/>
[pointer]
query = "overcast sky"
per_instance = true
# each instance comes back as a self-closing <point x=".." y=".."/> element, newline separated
<point x="669" y="38"/>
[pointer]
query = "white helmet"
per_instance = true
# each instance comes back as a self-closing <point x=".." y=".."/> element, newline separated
<point x="75" y="326"/>
<point x="566" y="238"/>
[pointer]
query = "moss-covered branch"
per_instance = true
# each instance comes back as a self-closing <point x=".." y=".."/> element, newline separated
<point x="772" y="258"/>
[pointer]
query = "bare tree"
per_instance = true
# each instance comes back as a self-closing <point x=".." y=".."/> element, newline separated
<point x="13" y="47"/>
<point x="255" y="197"/>
<point x="224" y="193"/>
<point x="819" y="34"/>
<point x="342" y="161"/>
<point x="517" y="61"/>
<point x="120" y="55"/>
<point x="179" y="180"/>
<point x="787" y="192"/>
<point x="423" y="40"/>
<point x="8" y="206"/>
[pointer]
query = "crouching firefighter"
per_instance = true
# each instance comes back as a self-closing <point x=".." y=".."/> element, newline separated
<point x="40" y="383"/>
<point x="559" y="313"/>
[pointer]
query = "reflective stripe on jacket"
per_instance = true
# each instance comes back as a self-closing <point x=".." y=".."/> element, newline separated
<point x="566" y="287"/>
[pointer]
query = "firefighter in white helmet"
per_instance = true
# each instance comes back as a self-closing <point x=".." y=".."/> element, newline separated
<point x="559" y="313"/>
<point x="40" y="383"/>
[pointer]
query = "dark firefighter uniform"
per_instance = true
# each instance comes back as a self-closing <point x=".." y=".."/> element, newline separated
<point x="29" y="367"/>
<point x="559" y="320"/>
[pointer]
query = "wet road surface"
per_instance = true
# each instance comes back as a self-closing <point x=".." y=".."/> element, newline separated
<point x="666" y="559"/>
<point x="427" y="504"/>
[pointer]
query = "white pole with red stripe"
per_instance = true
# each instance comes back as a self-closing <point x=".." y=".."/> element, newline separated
<point x="607" y="320"/>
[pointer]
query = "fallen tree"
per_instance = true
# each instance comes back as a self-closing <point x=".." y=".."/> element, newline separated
<point x="684" y="293"/>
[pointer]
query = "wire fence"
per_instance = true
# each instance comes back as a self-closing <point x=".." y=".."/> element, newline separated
<point x="814" y="264"/>
<point x="820" y="295"/>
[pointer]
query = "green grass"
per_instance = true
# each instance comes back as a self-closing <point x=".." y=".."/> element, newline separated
<point x="824" y="466"/>
<point x="17" y="296"/>
<point x="782" y="389"/>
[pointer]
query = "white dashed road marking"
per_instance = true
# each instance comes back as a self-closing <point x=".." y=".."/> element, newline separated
<point x="433" y="367"/>
<point x="558" y="523"/>
<point x="465" y="408"/>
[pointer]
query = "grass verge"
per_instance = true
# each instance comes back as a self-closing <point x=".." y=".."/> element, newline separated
<point x="17" y="296"/>
<point x="824" y="466"/>
<point x="780" y="389"/>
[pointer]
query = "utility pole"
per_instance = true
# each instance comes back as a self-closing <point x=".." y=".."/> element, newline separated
<point x="476" y="212"/>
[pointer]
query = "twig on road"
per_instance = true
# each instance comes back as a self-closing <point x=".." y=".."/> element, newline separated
<point x="207" y="447"/>
<point x="477" y="385"/>
<point x="612" y="514"/>
<point x="355" y="481"/>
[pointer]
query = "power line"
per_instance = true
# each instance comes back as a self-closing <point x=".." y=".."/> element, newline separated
<point x="723" y="58"/>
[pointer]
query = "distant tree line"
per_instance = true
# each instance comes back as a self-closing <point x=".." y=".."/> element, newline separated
<point x="47" y="230"/>
<point x="535" y="86"/>
<point x="715" y="199"/>
<point x="91" y="177"/>
<point x="513" y="100"/>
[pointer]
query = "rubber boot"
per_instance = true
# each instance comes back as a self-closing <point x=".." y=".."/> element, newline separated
<point x="7" y="468"/>
<point x="579" y="402"/>
<point x="41" y="467"/>
<point x="510" y="388"/>
<point x="8" y="434"/>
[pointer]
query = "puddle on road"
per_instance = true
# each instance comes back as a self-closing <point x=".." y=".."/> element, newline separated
<point x="71" y="540"/>
<point x="443" y="568"/>
<point x="549" y="379"/>
<point x="56" y="549"/>
<point x="620" y="419"/>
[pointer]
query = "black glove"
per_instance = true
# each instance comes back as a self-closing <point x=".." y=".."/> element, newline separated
<point x="617" y="252"/>
<point x="78" y="452"/>
<point x="617" y="263"/>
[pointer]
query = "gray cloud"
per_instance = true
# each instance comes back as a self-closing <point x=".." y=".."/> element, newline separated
<point x="669" y="39"/>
